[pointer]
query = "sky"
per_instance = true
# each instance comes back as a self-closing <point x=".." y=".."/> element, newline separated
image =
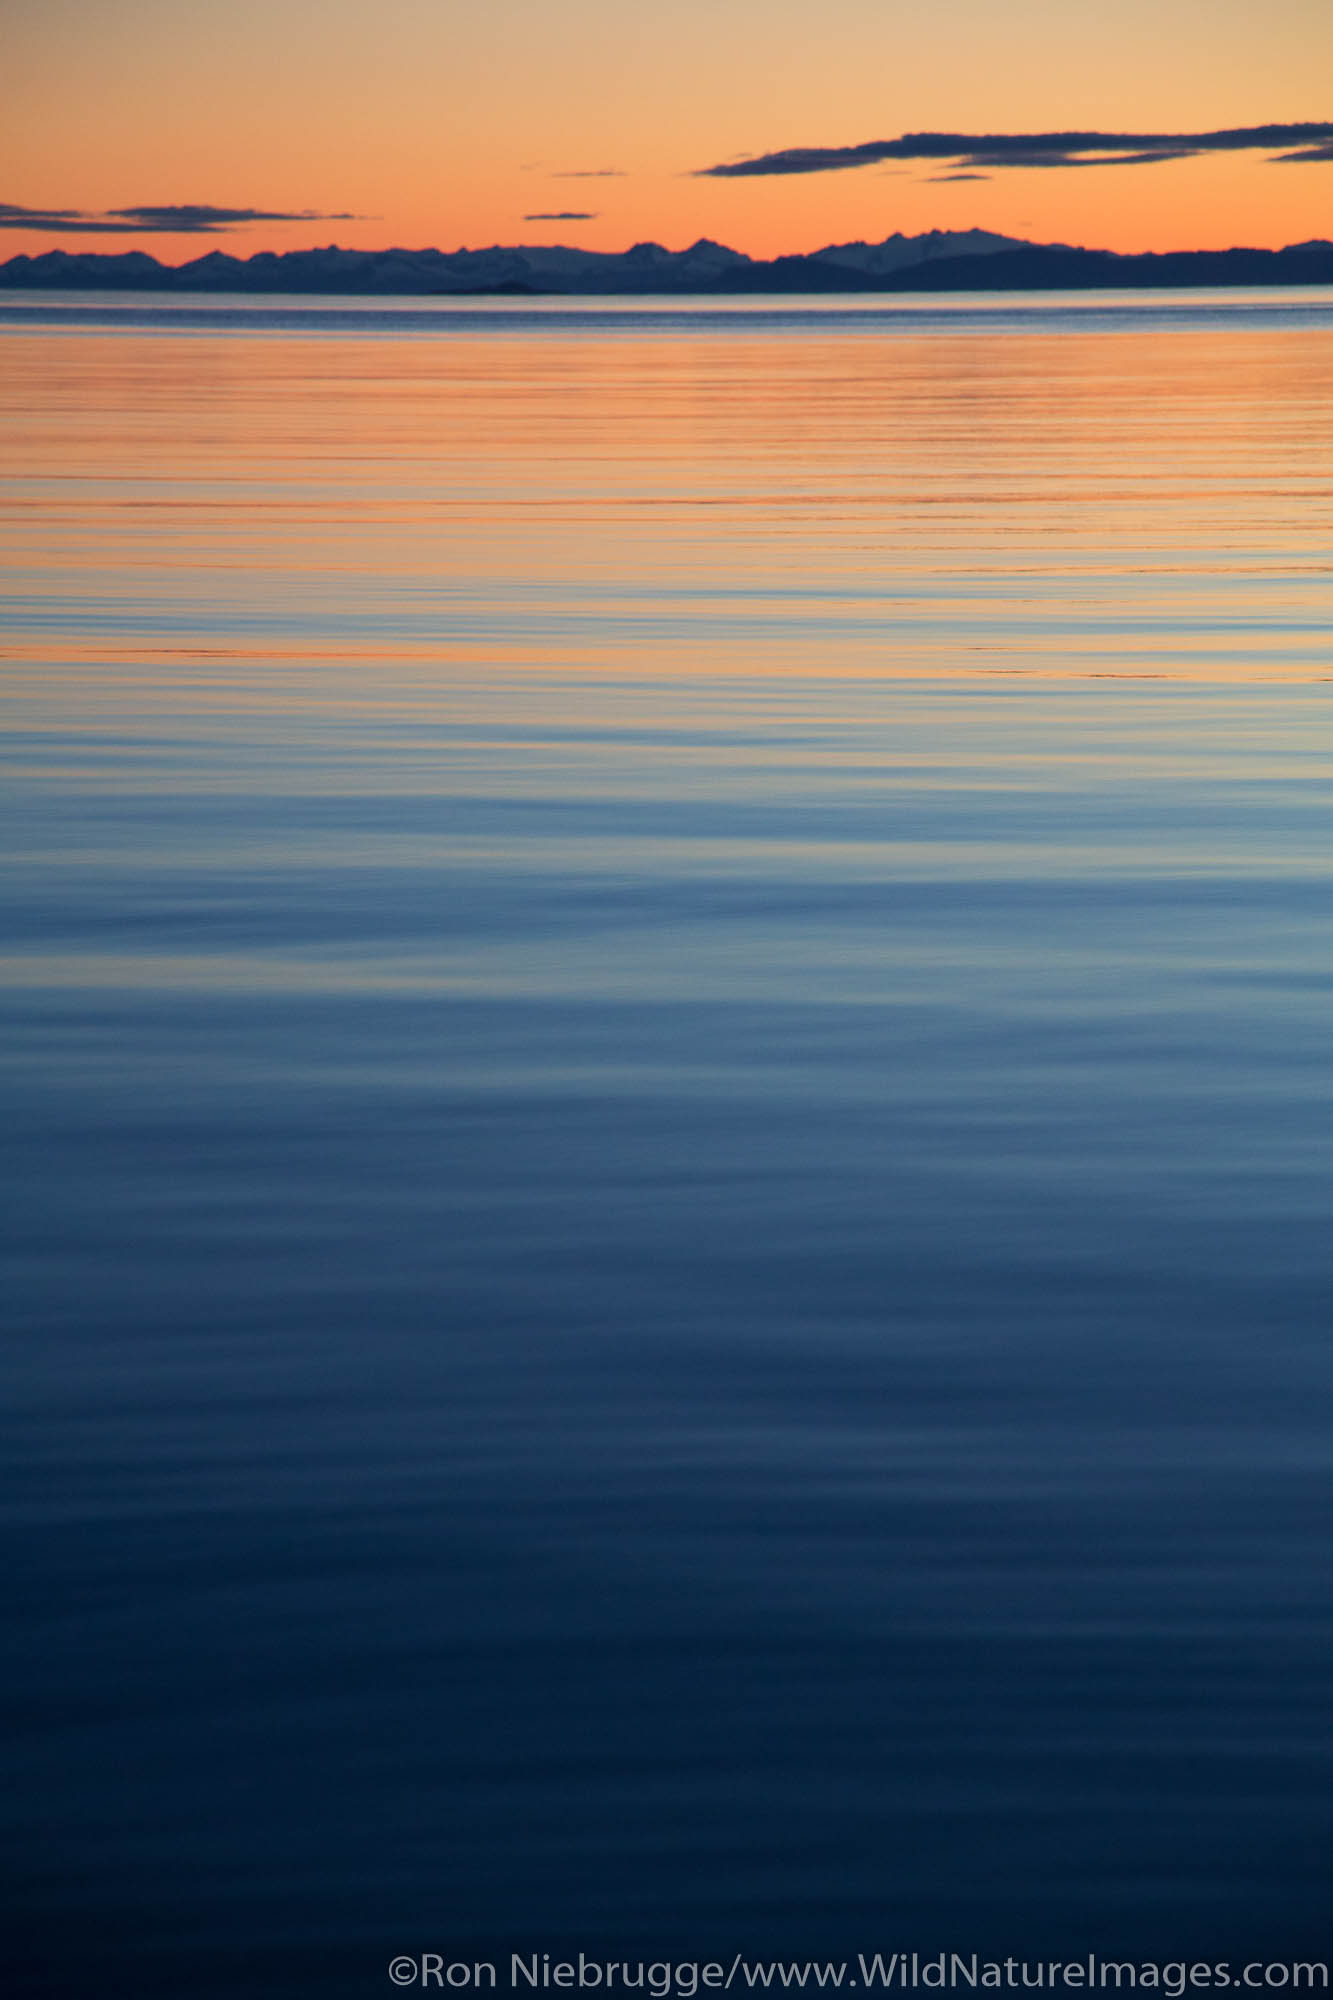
<point x="180" y="126"/>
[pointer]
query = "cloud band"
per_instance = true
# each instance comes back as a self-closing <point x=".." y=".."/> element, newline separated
<point x="989" y="150"/>
<point x="153" y="218"/>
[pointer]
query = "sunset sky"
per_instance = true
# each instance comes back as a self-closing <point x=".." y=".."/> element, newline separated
<point x="453" y="122"/>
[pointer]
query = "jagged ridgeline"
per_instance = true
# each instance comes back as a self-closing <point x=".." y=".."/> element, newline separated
<point x="939" y="260"/>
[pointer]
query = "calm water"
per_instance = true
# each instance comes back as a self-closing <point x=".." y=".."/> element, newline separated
<point x="667" y="1095"/>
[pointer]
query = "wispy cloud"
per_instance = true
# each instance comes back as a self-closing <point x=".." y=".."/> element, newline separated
<point x="563" y="215"/>
<point x="938" y="180"/>
<point x="989" y="150"/>
<point x="60" y="221"/>
<point x="191" y="216"/>
<point x="153" y="218"/>
<point x="589" y="174"/>
<point x="1037" y="158"/>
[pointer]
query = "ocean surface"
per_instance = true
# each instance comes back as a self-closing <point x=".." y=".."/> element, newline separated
<point x="666" y="1074"/>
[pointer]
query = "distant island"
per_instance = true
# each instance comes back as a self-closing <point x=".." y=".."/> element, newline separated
<point x="966" y="260"/>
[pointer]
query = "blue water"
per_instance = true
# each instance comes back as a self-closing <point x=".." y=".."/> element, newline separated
<point x="666" y="1084"/>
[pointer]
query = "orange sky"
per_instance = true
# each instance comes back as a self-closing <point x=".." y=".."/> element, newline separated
<point x="446" y="122"/>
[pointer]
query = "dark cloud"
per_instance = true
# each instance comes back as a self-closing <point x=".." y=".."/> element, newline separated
<point x="191" y="217"/>
<point x="1039" y="159"/>
<point x="938" y="180"/>
<point x="1033" y="149"/>
<point x="1309" y="153"/>
<point x="60" y="221"/>
<point x="563" y="215"/>
<point x="167" y="219"/>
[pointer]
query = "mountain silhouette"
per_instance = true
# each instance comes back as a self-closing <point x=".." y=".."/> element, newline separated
<point x="939" y="260"/>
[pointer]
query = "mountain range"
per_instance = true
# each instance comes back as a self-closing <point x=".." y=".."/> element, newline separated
<point x="939" y="260"/>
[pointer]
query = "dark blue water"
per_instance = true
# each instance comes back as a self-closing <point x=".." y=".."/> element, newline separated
<point x="666" y="1093"/>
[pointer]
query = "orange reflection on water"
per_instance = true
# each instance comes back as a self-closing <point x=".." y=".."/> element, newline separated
<point x="264" y="516"/>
